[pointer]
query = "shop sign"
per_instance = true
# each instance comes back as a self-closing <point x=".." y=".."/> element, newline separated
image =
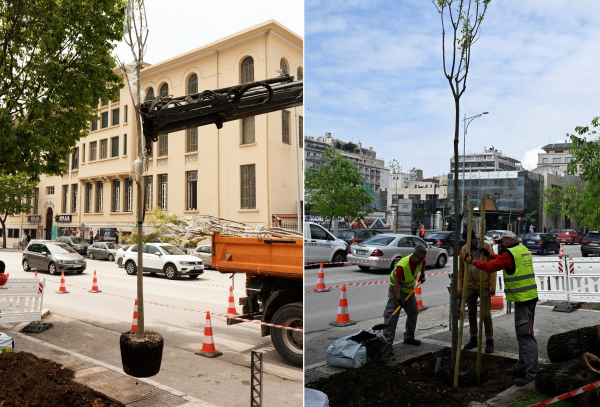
<point x="62" y="218"/>
<point x="34" y="218"/>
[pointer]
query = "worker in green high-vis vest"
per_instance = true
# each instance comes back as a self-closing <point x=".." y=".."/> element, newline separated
<point x="520" y="287"/>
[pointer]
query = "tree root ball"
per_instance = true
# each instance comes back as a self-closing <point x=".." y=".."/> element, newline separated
<point x="141" y="357"/>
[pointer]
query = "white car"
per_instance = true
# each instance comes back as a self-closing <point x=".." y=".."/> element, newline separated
<point x="322" y="246"/>
<point x="120" y="255"/>
<point x="163" y="258"/>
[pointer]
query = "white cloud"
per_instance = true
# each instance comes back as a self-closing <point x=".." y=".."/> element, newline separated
<point x="530" y="159"/>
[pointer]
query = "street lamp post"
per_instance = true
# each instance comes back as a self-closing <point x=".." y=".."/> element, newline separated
<point x="465" y="127"/>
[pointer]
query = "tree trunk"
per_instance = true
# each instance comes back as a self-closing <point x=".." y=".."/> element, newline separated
<point x="3" y="235"/>
<point x="572" y="344"/>
<point x="558" y="378"/>
<point x="458" y="220"/>
<point x="140" y="210"/>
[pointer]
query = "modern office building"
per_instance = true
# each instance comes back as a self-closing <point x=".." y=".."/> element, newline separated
<point x="490" y="159"/>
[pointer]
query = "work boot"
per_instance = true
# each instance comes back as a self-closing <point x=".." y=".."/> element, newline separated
<point x="489" y="346"/>
<point x="514" y="372"/>
<point x="472" y="344"/>
<point x="412" y="341"/>
<point x="522" y="381"/>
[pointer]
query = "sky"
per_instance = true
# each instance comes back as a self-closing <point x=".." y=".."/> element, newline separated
<point x="179" y="26"/>
<point x="374" y="74"/>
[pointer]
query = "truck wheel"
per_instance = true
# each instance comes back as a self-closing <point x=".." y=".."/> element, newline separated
<point x="288" y="343"/>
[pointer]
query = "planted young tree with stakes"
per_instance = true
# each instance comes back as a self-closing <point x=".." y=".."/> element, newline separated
<point x="465" y="18"/>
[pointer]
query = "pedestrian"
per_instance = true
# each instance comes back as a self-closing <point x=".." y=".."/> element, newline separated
<point x="473" y="293"/>
<point x="401" y="283"/>
<point x="531" y="228"/>
<point x="520" y="287"/>
<point x="494" y="243"/>
<point x="524" y="228"/>
<point x="101" y="239"/>
<point x="545" y="230"/>
<point x="27" y="238"/>
<point x="422" y="232"/>
<point x="413" y="229"/>
<point x="586" y="230"/>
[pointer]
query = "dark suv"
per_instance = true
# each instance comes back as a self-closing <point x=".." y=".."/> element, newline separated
<point x="590" y="244"/>
<point x="79" y="244"/>
<point x="352" y="236"/>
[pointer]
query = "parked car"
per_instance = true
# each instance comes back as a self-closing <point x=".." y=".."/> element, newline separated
<point x="53" y="257"/>
<point x="541" y="242"/>
<point x="164" y="258"/>
<point x="352" y="236"/>
<point x="394" y="247"/>
<point x="79" y="244"/>
<point x="444" y="240"/>
<point x="103" y="250"/>
<point x="205" y="254"/>
<point x="120" y="254"/>
<point x="590" y="244"/>
<point x="554" y="232"/>
<point x="568" y="236"/>
<point x="322" y="246"/>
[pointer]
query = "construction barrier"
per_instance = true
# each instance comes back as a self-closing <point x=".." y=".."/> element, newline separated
<point x="551" y="280"/>
<point x="584" y="279"/>
<point x="21" y="300"/>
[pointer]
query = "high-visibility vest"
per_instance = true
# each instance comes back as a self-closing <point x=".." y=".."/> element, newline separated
<point x="408" y="283"/>
<point x="521" y="285"/>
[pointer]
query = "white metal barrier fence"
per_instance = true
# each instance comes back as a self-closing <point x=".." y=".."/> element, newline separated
<point x="584" y="279"/>
<point x="21" y="300"/>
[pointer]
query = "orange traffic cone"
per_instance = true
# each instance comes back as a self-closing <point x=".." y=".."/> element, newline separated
<point x="95" y="285"/>
<point x="36" y="274"/>
<point x="343" y="318"/>
<point x="134" y="323"/>
<point x="321" y="281"/>
<point x="231" y="307"/>
<point x="208" y="345"/>
<point x="419" y="298"/>
<point x="63" y="287"/>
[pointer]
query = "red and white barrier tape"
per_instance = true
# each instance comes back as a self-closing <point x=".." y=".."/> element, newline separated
<point x="371" y="282"/>
<point x="570" y="394"/>
<point x="177" y="281"/>
<point x="347" y="262"/>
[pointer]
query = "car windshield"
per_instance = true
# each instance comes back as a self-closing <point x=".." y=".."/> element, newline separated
<point x="172" y="250"/>
<point x="346" y="234"/>
<point x="78" y="240"/>
<point x="436" y="236"/>
<point x="60" y="248"/>
<point x="593" y="236"/>
<point x="565" y="232"/>
<point x="379" y="241"/>
<point x="531" y="236"/>
<point x="113" y="246"/>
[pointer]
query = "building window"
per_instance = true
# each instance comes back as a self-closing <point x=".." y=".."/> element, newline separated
<point x="83" y="153"/>
<point x="115" y="117"/>
<point x="93" y="149"/>
<point x="95" y="125"/>
<point x="124" y="144"/>
<point x="50" y="191"/>
<point x="148" y="189"/>
<point x="75" y="159"/>
<point x="191" y="140"/>
<point x="300" y="74"/>
<point x="192" y="84"/>
<point x="192" y="191"/>
<point x="162" y="191"/>
<point x="36" y="200"/>
<point x="128" y="195"/>
<point x="247" y="70"/>
<point x="89" y="197"/>
<point x="103" y="148"/>
<point x="65" y="199"/>
<point x="104" y="120"/>
<point x="116" y="190"/>
<point x="125" y="114"/>
<point x="300" y="131"/>
<point x="114" y="146"/>
<point x="248" y="130"/>
<point x="568" y="159"/>
<point x="74" y="190"/>
<point x="285" y="126"/>
<point x="248" y="186"/>
<point x="163" y="145"/>
<point x="283" y="66"/>
<point x="150" y="94"/>
<point x="99" y="195"/>
<point x="164" y="90"/>
<point x="557" y="160"/>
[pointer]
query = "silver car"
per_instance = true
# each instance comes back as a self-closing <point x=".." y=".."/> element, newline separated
<point x="52" y="256"/>
<point x="204" y="253"/>
<point x="393" y="247"/>
<point x="103" y="250"/>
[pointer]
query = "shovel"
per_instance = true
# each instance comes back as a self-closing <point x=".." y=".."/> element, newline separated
<point x="396" y="313"/>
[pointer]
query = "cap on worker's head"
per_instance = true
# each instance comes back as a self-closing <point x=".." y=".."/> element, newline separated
<point x="506" y="234"/>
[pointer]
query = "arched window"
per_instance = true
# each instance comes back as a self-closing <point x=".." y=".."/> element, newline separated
<point x="192" y="84"/>
<point x="164" y="90"/>
<point x="150" y="94"/>
<point x="283" y="66"/>
<point x="247" y="70"/>
<point x="300" y="75"/>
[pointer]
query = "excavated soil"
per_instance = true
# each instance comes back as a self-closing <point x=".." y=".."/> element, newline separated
<point x="28" y="381"/>
<point x="416" y="384"/>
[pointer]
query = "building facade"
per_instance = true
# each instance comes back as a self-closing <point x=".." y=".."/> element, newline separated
<point x="557" y="155"/>
<point x="490" y="159"/>
<point x="245" y="171"/>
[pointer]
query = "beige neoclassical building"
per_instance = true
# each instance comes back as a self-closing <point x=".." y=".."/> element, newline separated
<point x="245" y="171"/>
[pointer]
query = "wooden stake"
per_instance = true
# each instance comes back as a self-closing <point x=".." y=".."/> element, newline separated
<point x="464" y="299"/>
<point x="481" y="292"/>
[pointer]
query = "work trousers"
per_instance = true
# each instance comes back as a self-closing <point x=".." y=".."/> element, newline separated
<point x="528" y="351"/>
<point x="485" y="305"/>
<point x="411" y="309"/>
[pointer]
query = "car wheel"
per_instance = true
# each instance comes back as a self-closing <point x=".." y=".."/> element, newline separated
<point x="441" y="261"/>
<point x="111" y="257"/>
<point x="130" y="268"/>
<point x="451" y="251"/>
<point x="193" y="276"/>
<point x="543" y="251"/>
<point x="26" y="265"/>
<point x="394" y="263"/>
<point x="91" y="256"/>
<point x="120" y="262"/>
<point x="339" y="257"/>
<point x="52" y="269"/>
<point x="171" y="272"/>
<point x="364" y="268"/>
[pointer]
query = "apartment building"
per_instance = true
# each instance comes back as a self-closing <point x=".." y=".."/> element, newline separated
<point x="490" y="159"/>
<point x="558" y="156"/>
<point x="245" y="171"/>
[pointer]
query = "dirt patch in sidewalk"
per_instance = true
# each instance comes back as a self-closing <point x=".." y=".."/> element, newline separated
<point x="416" y="384"/>
<point x="26" y="380"/>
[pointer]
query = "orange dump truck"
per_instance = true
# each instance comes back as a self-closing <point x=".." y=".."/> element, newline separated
<point x="274" y="271"/>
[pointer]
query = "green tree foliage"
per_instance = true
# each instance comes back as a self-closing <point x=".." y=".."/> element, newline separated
<point x="55" y="65"/>
<point x="336" y="189"/>
<point x="15" y="191"/>
<point x="565" y="200"/>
